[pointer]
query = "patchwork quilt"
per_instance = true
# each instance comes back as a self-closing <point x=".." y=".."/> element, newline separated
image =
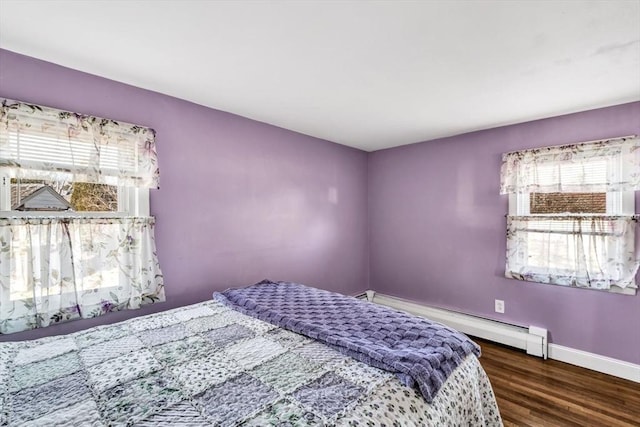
<point x="419" y="351"/>
<point x="208" y="365"/>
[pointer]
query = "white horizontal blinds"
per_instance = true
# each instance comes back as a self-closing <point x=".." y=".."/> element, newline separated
<point x="44" y="143"/>
<point x="39" y="153"/>
<point x="602" y="166"/>
<point x="573" y="177"/>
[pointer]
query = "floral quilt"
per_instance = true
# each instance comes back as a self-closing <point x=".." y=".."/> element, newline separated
<point x="208" y="365"/>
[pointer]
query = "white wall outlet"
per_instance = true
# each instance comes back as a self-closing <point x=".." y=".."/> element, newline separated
<point x="499" y="306"/>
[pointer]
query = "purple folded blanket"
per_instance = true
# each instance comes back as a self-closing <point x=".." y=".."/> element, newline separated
<point x="418" y="350"/>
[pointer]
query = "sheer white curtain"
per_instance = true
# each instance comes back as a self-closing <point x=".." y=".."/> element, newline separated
<point x="585" y="250"/>
<point x="38" y="142"/>
<point x="59" y="268"/>
<point x="601" y="166"/>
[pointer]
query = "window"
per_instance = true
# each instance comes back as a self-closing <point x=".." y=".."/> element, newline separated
<point x="571" y="214"/>
<point x="84" y="198"/>
<point x="63" y="149"/>
<point x="65" y="198"/>
<point x="76" y="239"/>
<point x="78" y="196"/>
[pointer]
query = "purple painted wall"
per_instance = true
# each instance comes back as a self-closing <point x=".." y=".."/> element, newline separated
<point x="239" y="200"/>
<point x="437" y="233"/>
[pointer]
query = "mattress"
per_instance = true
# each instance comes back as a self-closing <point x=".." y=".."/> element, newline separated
<point x="207" y="364"/>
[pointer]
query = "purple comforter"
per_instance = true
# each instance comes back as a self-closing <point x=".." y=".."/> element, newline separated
<point x="418" y="350"/>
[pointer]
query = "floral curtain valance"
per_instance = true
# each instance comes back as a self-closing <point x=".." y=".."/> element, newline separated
<point x="45" y="143"/>
<point x="601" y="166"/>
<point x="55" y="269"/>
<point x="594" y="252"/>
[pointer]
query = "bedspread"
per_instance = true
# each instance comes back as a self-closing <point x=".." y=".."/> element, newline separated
<point x="207" y="364"/>
<point x="418" y="350"/>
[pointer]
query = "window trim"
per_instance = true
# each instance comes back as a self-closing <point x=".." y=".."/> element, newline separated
<point x="132" y="202"/>
<point x="618" y="203"/>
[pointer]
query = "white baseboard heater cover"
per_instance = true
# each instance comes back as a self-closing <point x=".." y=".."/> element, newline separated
<point x="533" y="339"/>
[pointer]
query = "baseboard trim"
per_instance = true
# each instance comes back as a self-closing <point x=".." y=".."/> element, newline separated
<point x="513" y="336"/>
<point x="595" y="362"/>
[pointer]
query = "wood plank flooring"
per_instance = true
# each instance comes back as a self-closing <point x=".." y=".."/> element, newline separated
<point x="534" y="392"/>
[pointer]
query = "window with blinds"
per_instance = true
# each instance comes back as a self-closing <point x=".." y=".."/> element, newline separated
<point x="571" y="214"/>
<point x="52" y="159"/>
<point x="50" y="148"/>
<point x="69" y="156"/>
<point x="570" y="175"/>
<point x="77" y="239"/>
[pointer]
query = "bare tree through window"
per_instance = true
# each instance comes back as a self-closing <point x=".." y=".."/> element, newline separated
<point x="83" y="197"/>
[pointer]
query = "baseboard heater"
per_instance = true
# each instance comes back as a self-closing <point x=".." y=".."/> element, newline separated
<point x="533" y="339"/>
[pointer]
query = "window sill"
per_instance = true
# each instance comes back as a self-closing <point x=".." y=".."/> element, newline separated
<point x="629" y="290"/>
<point x="108" y="289"/>
<point x="65" y="214"/>
<point x="624" y="291"/>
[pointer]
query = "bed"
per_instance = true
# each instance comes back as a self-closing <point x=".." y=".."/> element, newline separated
<point x="214" y="364"/>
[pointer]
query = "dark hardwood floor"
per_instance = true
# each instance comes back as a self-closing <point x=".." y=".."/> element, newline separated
<point x="534" y="392"/>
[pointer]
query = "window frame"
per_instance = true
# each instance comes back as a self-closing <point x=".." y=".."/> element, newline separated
<point x="131" y="202"/>
<point x="617" y="203"/>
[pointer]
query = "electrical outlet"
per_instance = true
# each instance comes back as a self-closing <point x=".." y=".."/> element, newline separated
<point x="499" y="306"/>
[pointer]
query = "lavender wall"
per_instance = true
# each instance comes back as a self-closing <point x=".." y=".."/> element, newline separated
<point x="242" y="200"/>
<point x="437" y="233"/>
<point x="239" y="200"/>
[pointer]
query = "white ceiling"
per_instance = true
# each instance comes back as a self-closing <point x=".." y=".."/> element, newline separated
<point x="369" y="74"/>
